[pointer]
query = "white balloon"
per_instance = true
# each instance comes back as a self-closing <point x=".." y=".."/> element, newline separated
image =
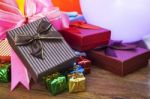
<point x="129" y="20"/>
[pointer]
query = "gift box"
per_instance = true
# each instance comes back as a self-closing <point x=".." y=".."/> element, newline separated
<point x="4" y="51"/>
<point x="77" y="18"/>
<point x="56" y="83"/>
<point x="41" y="48"/>
<point x="4" y="73"/>
<point x="85" y="63"/>
<point x="83" y="36"/>
<point x="77" y="69"/>
<point x="76" y="82"/>
<point x="74" y="16"/>
<point x="120" y="60"/>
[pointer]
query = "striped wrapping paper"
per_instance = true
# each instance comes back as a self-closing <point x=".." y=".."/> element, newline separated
<point x="58" y="56"/>
<point x="4" y="51"/>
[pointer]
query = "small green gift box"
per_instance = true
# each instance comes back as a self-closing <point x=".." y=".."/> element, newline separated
<point x="56" y="83"/>
<point x="4" y="73"/>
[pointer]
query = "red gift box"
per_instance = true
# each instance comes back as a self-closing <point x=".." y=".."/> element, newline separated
<point x="85" y="63"/>
<point x="82" y="36"/>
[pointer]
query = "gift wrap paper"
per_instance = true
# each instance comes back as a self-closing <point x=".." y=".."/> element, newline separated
<point x="4" y="73"/>
<point x="4" y="51"/>
<point x="82" y="36"/>
<point x="125" y="62"/>
<point x="76" y="82"/>
<point x="16" y="13"/>
<point x="85" y="63"/>
<point x="58" y="56"/>
<point x="77" y="69"/>
<point x="56" y="83"/>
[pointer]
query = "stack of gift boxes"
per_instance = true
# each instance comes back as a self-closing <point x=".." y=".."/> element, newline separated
<point x="49" y="55"/>
<point x="4" y="61"/>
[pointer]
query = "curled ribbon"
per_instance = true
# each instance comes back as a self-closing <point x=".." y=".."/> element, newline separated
<point x="118" y="45"/>
<point x="44" y="32"/>
<point x="81" y="24"/>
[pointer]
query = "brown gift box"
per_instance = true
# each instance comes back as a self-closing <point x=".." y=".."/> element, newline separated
<point x="58" y="56"/>
<point x="127" y="61"/>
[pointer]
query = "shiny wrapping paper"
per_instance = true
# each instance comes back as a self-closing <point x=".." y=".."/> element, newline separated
<point x="77" y="69"/>
<point x="4" y="73"/>
<point x="125" y="62"/>
<point x="83" y="36"/>
<point x="76" y="82"/>
<point x="85" y="63"/>
<point x="56" y="83"/>
<point x="4" y="51"/>
<point x="58" y="56"/>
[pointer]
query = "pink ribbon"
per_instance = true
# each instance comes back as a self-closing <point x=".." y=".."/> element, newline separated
<point x="11" y="18"/>
<point x="18" y="72"/>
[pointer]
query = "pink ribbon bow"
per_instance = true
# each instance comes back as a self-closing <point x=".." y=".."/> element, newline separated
<point x="11" y="18"/>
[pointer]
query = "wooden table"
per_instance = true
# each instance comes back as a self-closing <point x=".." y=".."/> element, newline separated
<point x="100" y="85"/>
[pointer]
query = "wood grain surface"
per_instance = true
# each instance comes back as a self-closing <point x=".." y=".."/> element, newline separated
<point x="100" y="85"/>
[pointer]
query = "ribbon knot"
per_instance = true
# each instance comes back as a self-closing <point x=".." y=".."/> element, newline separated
<point x="26" y="20"/>
<point x="74" y="26"/>
<point x="44" y="32"/>
<point x="117" y="45"/>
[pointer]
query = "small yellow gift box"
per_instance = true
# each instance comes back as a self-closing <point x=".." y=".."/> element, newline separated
<point x="76" y="82"/>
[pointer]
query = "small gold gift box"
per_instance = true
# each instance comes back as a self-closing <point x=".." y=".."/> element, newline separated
<point x="76" y="82"/>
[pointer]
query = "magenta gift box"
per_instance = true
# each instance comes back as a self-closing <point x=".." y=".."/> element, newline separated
<point x="127" y="61"/>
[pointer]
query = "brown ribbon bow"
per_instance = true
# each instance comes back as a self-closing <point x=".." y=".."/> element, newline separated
<point x="44" y="32"/>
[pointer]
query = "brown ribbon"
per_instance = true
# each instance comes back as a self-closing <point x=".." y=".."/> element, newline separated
<point x="44" y="32"/>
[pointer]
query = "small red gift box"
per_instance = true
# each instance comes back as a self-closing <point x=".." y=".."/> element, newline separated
<point x="82" y="36"/>
<point x="4" y="51"/>
<point x="85" y="63"/>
